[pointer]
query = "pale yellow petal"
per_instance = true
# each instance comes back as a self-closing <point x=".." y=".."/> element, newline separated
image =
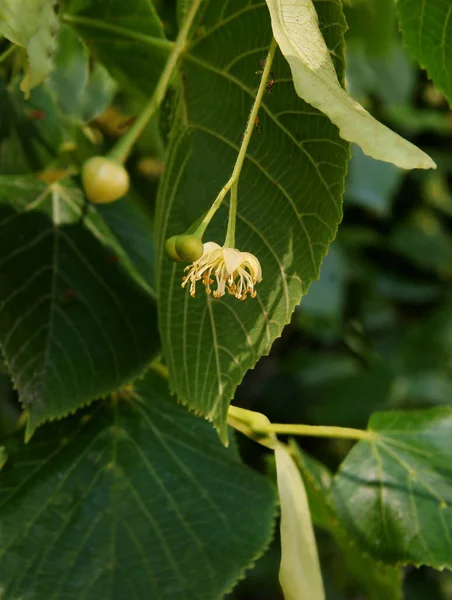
<point x="232" y="259"/>
<point x="253" y="264"/>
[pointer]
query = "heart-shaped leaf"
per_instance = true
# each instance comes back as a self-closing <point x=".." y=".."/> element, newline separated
<point x="394" y="492"/>
<point x="134" y="498"/>
<point x="289" y="206"/>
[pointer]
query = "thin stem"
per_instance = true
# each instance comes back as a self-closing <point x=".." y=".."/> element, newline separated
<point x="322" y="431"/>
<point x="232" y="183"/>
<point x="232" y="218"/>
<point x="160" y="368"/>
<point x="155" y="42"/>
<point x="257" y="426"/>
<point x="7" y="52"/>
<point x="123" y="147"/>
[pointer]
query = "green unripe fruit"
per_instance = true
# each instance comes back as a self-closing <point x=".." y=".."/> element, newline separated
<point x="189" y="247"/>
<point x="104" y="180"/>
<point x="170" y="247"/>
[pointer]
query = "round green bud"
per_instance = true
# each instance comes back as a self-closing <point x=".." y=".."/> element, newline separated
<point x="189" y="247"/>
<point x="104" y="180"/>
<point x="170" y="247"/>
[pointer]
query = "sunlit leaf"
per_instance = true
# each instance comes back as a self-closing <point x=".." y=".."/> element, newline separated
<point x="33" y="25"/>
<point x="296" y="29"/>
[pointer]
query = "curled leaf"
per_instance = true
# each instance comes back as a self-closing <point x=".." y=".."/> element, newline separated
<point x="299" y="573"/>
<point x="296" y="29"/>
<point x="32" y="24"/>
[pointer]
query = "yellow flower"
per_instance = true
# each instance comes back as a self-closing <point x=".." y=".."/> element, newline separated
<point x="235" y="272"/>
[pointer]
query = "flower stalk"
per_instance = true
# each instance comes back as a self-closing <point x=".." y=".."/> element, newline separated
<point x="232" y="183"/>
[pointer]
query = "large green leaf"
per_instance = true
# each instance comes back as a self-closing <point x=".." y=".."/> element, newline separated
<point x="289" y="208"/>
<point x="133" y="499"/>
<point x="427" y="30"/>
<point x="376" y="579"/>
<point x="394" y="492"/>
<point x="73" y="324"/>
<point x="127" y="37"/>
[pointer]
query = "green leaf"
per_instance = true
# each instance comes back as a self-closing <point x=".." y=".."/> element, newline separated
<point x="394" y="492"/>
<point x="30" y="131"/>
<point x="134" y="499"/>
<point x="427" y="31"/>
<point x="376" y="579"/>
<point x="73" y="324"/>
<point x="80" y="94"/>
<point x="372" y="184"/>
<point x="372" y="25"/>
<point x="296" y="29"/>
<point x="3" y="456"/>
<point x="127" y="37"/>
<point x="31" y="24"/>
<point x="286" y="216"/>
<point x="299" y="574"/>
<point x="132" y="227"/>
<point x="424" y="241"/>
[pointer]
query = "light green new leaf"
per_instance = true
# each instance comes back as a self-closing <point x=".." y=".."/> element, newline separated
<point x="296" y="29"/>
<point x="3" y="456"/>
<point x="33" y="25"/>
<point x="135" y="498"/>
<point x="394" y="492"/>
<point x="376" y="579"/>
<point x="74" y="325"/>
<point x="127" y="36"/>
<point x="289" y="199"/>
<point x="427" y="31"/>
<point x="299" y="574"/>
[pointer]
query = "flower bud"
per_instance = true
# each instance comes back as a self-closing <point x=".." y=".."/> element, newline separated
<point x="189" y="247"/>
<point x="104" y="180"/>
<point x="170" y="248"/>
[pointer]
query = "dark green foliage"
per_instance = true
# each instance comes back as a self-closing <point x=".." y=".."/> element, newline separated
<point x="131" y="498"/>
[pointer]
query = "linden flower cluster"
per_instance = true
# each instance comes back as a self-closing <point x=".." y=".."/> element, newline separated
<point x="234" y="271"/>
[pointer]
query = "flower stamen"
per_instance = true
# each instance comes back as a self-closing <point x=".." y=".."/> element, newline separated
<point x="233" y="271"/>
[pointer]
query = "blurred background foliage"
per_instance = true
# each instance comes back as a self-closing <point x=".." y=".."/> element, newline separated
<point x="375" y="332"/>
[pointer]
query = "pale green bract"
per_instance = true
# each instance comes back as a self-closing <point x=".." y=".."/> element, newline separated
<point x="32" y="24"/>
<point x="296" y="29"/>
<point x="299" y="574"/>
